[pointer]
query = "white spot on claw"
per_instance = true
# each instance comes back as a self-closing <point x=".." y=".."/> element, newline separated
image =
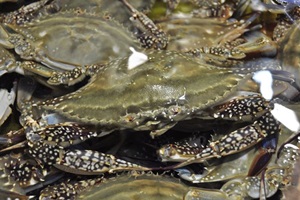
<point x="136" y="59"/>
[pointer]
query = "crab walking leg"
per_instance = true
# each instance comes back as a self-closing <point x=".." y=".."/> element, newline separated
<point x="74" y="76"/>
<point x="152" y="36"/>
<point x="238" y="140"/>
<point x="24" y="14"/>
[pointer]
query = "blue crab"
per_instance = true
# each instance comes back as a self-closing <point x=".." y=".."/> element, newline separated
<point x="20" y="175"/>
<point x="221" y="42"/>
<point x="45" y="46"/>
<point x="84" y="114"/>
<point x="158" y="94"/>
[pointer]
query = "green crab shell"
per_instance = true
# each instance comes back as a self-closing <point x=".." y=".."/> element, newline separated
<point x="114" y="8"/>
<point x="123" y="186"/>
<point x="169" y="87"/>
<point x="77" y="38"/>
<point x="189" y="33"/>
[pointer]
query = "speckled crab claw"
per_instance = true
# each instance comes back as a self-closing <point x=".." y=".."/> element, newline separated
<point x="49" y="146"/>
<point x="20" y="175"/>
<point x="244" y="108"/>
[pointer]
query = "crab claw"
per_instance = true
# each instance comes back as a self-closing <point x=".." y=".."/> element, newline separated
<point x="49" y="146"/>
<point x="238" y="140"/>
<point x="267" y="149"/>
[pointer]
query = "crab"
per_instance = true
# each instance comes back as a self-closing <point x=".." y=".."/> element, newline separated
<point x="53" y="125"/>
<point x="221" y="43"/>
<point x="114" y="8"/>
<point x="218" y="40"/>
<point x="21" y="175"/>
<point x="158" y="94"/>
<point x="45" y="47"/>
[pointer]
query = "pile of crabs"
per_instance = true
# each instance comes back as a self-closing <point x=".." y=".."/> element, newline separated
<point x="132" y="99"/>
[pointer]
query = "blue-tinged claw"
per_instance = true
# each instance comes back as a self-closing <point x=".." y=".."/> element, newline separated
<point x="266" y="150"/>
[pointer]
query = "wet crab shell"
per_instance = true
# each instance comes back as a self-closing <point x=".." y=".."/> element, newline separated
<point x="168" y="88"/>
<point x="188" y="33"/>
<point x="146" y="186"/>
<point x="114" y="8"/>
<point x="74" y="37"/>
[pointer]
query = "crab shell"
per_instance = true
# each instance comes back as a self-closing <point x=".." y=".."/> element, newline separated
<point x="114" y="8"/>
<point x="146" y="186"/>
<point x="71" y="38"/>
<point x="167" y="88"/>
<point x="188" y="33"/>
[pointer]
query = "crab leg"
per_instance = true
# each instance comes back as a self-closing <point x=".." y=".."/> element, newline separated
<point x="152" y="36"/>
<point x="24" y="14"/>
<point x="74" y="76"/>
